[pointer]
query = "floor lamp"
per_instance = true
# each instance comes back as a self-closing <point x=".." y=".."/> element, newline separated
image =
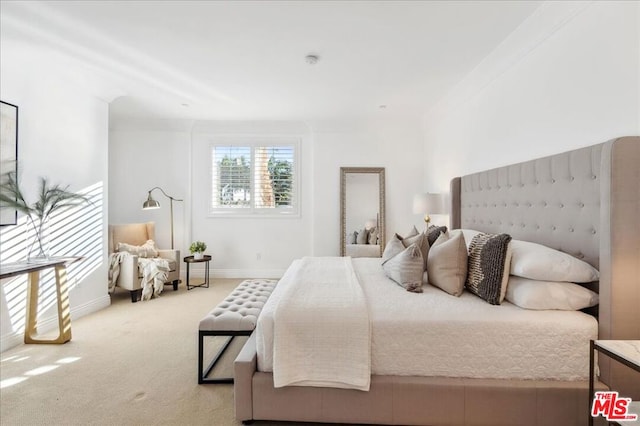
<point x="153" y="204"/>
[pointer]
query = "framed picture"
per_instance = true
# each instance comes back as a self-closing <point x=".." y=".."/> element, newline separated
<point x="8" y="153"/>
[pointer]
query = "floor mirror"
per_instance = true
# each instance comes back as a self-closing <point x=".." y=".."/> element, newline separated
<point x="362" y="199"/>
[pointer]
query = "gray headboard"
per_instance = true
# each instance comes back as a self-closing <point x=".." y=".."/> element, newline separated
<point x="584" y="202"/>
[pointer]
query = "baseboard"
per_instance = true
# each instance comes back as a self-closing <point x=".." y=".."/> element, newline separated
<point x="237" y="273"/>
<point x="89" y="307"/>
<point x="15" y="338"/>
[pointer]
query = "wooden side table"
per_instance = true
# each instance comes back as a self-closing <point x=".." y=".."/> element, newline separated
<point x="189" y="260"/>
<point x="33" y="285"/>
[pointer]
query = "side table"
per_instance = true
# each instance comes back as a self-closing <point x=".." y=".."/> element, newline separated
<point x="626" y="352"/>
<point x="206" y="259"/>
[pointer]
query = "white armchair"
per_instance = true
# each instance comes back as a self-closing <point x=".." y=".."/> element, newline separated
<point x="137" y="234"/>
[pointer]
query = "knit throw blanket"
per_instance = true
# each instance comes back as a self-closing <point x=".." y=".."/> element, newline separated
<point x="153" y="270"/>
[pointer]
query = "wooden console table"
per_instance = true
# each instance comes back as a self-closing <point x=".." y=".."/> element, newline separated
<point x="59" y="264"/>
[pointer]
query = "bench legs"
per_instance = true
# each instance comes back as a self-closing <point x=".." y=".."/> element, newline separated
<point x="202" y="373"/>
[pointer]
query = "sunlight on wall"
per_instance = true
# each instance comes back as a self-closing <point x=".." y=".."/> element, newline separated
<point x="76" y="231"/>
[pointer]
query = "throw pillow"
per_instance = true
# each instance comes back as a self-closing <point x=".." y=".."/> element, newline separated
<point x="373" y="236"/>
<point x="447" y="263"/>
<point x="533" y="294"/>
<point x="363" y="236"/>
<point x="412" y="233"/>
<point x="148" y="249"/>
<point x="433" y="232"/>
<point x="405" y="268"/>
<point x="488" y="266"/>
<point x="352" y="238"/>
<point x="421" y="241"/>
<point x="393" y="247"/>
<point x="538" y="262"/>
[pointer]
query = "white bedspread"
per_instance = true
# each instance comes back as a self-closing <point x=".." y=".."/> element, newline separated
<point x="321" y="332"/>
<point x="435" y="334"/>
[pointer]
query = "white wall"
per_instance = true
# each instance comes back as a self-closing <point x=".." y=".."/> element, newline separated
<point x="176" y="157"/>
<point x="567" y="78"/>
<point x="259" y="247"/>
<point x="63" y="131"/>
<point x="395" y="145"/>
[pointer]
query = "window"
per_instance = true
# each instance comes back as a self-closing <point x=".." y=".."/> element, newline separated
<point x="254" y="177"/>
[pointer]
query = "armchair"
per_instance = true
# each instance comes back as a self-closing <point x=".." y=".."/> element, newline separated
<point x="137" y="234"/>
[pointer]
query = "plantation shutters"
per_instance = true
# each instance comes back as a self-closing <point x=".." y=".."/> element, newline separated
<point x="254" y="178"/>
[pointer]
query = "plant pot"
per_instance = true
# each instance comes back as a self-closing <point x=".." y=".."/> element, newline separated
<point x="198" y="256"/>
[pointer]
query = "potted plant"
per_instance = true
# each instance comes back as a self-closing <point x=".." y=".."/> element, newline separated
<point x="51" y="198"/>
<point x="197" y="248"/>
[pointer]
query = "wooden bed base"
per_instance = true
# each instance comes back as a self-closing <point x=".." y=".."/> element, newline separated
<point x="584" y="202"/>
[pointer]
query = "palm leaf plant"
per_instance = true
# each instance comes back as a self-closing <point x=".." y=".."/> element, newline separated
<point x="51" y="198"/>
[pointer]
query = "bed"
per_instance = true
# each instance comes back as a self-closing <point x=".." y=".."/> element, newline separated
<point x="584" y="202"/>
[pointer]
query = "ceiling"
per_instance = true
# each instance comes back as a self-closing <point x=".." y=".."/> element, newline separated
<point x="245" y="60"/>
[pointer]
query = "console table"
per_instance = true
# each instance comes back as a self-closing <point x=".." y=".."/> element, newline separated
<point x="59" y="264"/>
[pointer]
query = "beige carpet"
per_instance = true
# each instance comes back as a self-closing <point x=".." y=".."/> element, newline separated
<point x="129" y="364"/>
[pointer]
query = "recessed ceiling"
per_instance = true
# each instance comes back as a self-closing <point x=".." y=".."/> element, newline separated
<point x="247" y="60"/>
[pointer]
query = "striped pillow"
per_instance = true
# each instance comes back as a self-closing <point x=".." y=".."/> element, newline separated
<point x="488" y="266"/>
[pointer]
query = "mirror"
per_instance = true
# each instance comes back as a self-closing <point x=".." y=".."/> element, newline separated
<point x="362" y="227"/>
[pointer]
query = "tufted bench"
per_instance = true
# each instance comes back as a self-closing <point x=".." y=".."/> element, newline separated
<point x="236" y="315"/>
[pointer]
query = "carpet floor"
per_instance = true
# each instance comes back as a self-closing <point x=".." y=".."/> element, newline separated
<point x="128" y="364"/>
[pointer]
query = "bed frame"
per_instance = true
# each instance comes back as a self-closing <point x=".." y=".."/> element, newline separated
<point x="585" y="202"/>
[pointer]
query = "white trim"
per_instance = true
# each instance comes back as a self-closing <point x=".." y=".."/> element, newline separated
<point x="16" y="338"/>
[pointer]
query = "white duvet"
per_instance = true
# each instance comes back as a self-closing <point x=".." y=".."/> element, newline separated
<point x="436" y="334"/>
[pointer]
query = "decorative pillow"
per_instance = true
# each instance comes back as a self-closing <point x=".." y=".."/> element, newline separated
<point x="363" y="236"/>
<point x="412" y="233"/>
<point x="405" y="268"/>
<point x="538" y="262"/>
<point x="393" y="247"/>
<point x="532" y="294"/>
<point x="447" y="263"/>
<point x="352" y="238"/>
<point x="373" y="236"/>
<point x="433" y="232"/>
<point x="148" y="249"/>
<point x="488" y="266"/>
<point x="468" y="235"/>
<point x="421" y="241"/>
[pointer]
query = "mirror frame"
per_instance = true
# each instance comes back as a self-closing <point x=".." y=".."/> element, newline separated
<point x="343" y="203"/>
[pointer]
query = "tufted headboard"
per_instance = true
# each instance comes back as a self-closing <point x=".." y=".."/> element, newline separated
<point x="585" y="202"/>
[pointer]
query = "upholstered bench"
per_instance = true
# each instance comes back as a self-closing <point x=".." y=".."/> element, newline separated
<point x="237" y="315"/>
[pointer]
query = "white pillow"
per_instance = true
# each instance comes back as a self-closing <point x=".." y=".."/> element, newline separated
<point x="148" y="249"/>
<point x="538" y="262"/>
<point x="532" y="294"/>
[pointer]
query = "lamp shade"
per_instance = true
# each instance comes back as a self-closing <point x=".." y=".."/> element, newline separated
<point x="150" y="204"/>
<point x="429" y="204"/>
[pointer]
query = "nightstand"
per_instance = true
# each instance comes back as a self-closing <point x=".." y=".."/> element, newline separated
<point x="206" y="259"/>
<point x="626" y="352"/>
